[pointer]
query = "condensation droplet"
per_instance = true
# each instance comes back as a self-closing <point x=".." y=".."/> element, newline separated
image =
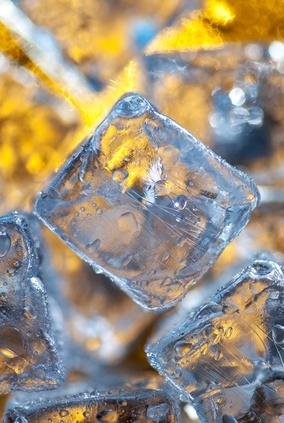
<point x="119" y="175"/>
<point x="229" y="332"/>
<point x="63" y="413"/>
<point x="183" y="348"/>
<point x="180" y="202"/>
<point x="95" y="245"/>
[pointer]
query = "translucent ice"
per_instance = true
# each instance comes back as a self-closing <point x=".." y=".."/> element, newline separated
<point x="233" y="340"/>
<point x="145" y="202"/>
<point x="263" y="403"/>
<point x="28" y="349"/>
<point x="124" y="405"/>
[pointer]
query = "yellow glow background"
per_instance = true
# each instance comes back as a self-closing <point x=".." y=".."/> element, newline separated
<point x="35" y="137"/>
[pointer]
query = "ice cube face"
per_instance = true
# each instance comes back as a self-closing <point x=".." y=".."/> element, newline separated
<point x="234" y="339"/>
<point x="145" y="202"/>
<point x="28" y="348"/>
<point x="129" y="405"/>
<point x="242" y="404"/>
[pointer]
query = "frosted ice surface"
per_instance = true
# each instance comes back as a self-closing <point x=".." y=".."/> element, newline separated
<point x="235" y="339"/>
<point x="28" y="347"/>
<point x="146" y="203"/>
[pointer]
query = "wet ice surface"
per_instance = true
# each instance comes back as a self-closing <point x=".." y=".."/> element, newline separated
<point x="28" y="348"/>
<point x="146" y="203"/>
<point x="234" y="339"/>
<point x="130" y="404"/>
<point x="250" y="404"/>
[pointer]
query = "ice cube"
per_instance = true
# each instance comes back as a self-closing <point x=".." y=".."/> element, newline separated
<point x="250" y="403"/>
<point x="234" y="339"/>
<point x="29" y="356"/>
<point x="146" y="203"/>
<point x="127" y="404"/>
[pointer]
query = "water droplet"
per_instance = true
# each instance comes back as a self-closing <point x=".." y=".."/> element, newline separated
<point x="182" y="348"/>
<point x="17" y="264"/>
<point x="107" y="416"/>
<point x="180" y="202"/>
<point x="95" y="245"/>
<point x="119" y="175"/>
<point x="63" y="413"/>
<point x="5" y="244"/>
<point x="262" y="268"/>
<point x="229" y="332"/>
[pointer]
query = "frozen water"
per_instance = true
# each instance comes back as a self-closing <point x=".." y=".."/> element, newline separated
<point x="263" y="403"/>
<point x="28" y="349"/>
<point x="235" y="339"/>
<point x="146" y="203"/>
<point x="124" y="405"/>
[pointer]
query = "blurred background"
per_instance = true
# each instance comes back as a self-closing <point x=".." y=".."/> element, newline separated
<point x="215" y="66"/>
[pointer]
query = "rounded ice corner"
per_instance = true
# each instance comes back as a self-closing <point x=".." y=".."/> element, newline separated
<point x="131" y="105"/>
<point x="264" y="266"/>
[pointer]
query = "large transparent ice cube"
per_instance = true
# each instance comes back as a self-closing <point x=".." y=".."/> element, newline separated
<point x="135" y="403"/>
<point x="261" y="403"/>
<point x="146" y="203"/>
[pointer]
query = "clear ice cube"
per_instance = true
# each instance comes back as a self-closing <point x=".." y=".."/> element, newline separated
<point x="29" y="353"/>
<point x="130" y="404"/>
<point x="235" y="339"/>
<point x="146" y="203"/>
<point x="262" y="403"/>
